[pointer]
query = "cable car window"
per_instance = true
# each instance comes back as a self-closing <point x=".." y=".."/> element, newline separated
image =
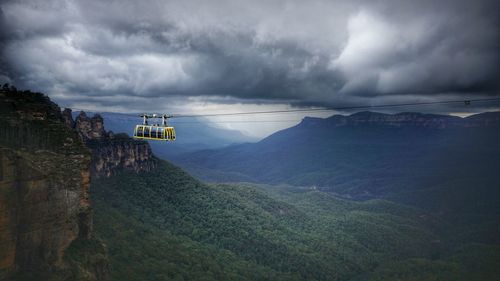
<point x="154" y="130"/>
<point x="147" y="131"/>
<point x="160" y="133"/>
<point x="139" y="131"/>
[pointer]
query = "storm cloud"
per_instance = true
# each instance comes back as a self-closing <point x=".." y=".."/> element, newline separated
<point x="132" y="54"/>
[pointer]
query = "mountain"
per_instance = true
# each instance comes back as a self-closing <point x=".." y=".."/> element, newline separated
<point x="444" y="164"/>
<point x="364" y="155"/>
<point x="193" y="134"/>
<point x="45" y="211"/>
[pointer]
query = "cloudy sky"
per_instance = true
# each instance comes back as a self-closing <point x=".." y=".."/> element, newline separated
<point x="206" y="56"/>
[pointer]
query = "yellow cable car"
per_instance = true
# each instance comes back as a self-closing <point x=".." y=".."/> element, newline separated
<point x="156" y="131"/>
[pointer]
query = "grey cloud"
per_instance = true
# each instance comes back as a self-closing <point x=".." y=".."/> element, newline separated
<point x="314" y="53"/>
<point x="439" y="52"/>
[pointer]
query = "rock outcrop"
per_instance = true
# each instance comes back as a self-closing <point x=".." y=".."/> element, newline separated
<point x="45" y="210"/>
<point x="118" y="153"/>
<point x="90" y="128"/>
<point x="110" y="153"/>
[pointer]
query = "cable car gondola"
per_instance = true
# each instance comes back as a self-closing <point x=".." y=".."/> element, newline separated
<point x="155" y="131"/>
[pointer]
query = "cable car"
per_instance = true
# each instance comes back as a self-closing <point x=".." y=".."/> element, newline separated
<point x="161" y="131"/>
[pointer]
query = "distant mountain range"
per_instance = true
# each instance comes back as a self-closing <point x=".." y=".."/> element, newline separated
<point x="193" y="134"/>
<point x="402" y="157"/>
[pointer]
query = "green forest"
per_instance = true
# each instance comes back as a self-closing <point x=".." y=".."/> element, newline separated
<point x="167" y="225"/>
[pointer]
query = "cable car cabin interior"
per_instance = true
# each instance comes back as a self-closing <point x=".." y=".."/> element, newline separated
<point x="154" y="132"/>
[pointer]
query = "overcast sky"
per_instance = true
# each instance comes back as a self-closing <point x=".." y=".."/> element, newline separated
<point x="221" y="56"/>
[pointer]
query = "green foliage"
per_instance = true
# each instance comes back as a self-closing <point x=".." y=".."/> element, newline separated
<point x="470" y="262"/>
<point x="139" y="251"/>
<point x="165" y="225"/>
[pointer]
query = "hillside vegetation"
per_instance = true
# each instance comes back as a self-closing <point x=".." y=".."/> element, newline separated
<point x="166" y="225"/>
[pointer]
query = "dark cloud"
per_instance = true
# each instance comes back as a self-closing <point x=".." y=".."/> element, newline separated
<point x="296" y="52"/>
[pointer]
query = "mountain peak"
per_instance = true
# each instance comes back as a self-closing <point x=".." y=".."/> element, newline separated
<point x="367" y="114"/>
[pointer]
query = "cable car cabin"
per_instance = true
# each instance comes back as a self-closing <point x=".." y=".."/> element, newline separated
<point x="151" y="132"/>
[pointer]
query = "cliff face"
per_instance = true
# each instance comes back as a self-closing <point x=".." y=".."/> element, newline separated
<point x="110" y="153"/>
<point x="44" y="193"/>
<point x="408" y="119"/>
<point x="120" y="153"/>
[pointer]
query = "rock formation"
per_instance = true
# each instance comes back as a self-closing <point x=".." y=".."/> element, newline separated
<point x="90" y="128"/>
<point x="110" y="153"/>
<point x="45" y="209"/>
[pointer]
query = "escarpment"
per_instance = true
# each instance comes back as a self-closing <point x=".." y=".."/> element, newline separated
<point x="407" y="120"/>
<point x="111" y="152"/>
<point x="45" y="211"/>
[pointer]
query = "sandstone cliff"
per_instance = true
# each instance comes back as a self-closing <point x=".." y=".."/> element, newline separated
<point x="45" y="210"/>
<point x="110" y="153"/>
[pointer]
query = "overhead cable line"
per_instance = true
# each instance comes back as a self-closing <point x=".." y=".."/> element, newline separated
<point x="465" y="102"/>
<point x="238" y="121"/>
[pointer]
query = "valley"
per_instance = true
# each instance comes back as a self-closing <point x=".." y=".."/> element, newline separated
<point x="392" y="213"/>
<point x="243" y="231"/>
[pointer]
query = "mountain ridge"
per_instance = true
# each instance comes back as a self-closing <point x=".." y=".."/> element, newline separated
<point x="409" y="118"/>
<point x="363" y="156"/>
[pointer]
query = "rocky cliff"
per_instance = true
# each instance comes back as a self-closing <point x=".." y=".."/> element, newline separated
<point x="111" y="152"/>
<point x="407" y="119"/>
<point x="45" y="212"/>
